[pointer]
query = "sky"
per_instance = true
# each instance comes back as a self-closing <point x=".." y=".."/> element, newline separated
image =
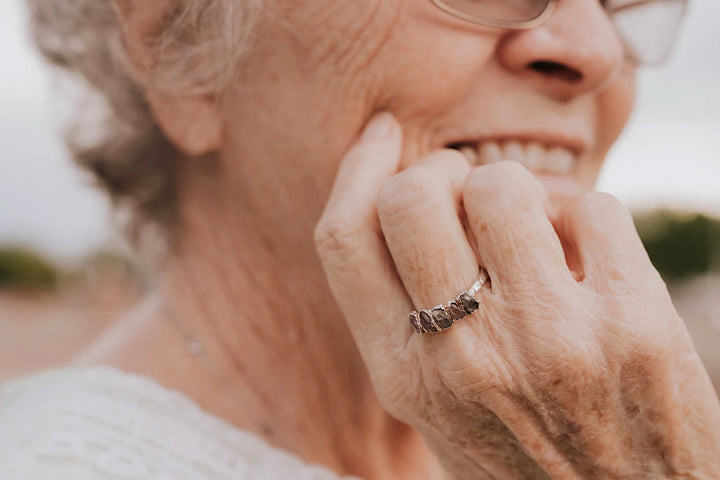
<point x="669" y="156"/>
<point x="670" y="153"/>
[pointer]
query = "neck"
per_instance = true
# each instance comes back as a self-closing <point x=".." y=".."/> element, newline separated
<point x="276" y="357"/>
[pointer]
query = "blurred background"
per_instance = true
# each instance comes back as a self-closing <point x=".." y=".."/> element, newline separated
<point x="65" y="276"/>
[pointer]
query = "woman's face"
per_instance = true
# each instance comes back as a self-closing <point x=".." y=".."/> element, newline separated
<point x="554" y="97"/>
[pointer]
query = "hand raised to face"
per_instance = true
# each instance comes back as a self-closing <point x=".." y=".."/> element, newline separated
<point x="582" y="372"/>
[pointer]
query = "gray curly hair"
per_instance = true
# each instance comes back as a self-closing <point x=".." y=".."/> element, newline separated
<point x="197" y="53"/>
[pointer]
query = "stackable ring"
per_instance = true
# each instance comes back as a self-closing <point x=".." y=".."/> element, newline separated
<point x="442" y="317"/>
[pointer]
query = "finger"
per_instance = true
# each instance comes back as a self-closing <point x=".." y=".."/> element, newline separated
<point x="516" y="243"/>
<point x="350" y="244"/>
<point x="420" y="214"/>
<point x="601" y="233"/>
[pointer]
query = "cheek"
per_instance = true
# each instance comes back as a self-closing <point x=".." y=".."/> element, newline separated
<point x="432" y="71"/>
<point x="426" y="73"/>
<point x="427" y="65"/>
<point x="614" y="107"/>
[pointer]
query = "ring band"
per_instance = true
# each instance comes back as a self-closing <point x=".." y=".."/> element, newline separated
<point x="442" y="317"/>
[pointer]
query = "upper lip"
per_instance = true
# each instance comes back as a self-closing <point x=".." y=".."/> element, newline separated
<point x="575" y="144"/>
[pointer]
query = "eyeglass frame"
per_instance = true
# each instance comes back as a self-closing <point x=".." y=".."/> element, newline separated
<point x="526" y="24"/>
<point x="501" y="24"/>
<point x="539" y="20"/>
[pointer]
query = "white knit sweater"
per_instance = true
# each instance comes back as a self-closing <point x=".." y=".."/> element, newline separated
<point x="103" y="424"/>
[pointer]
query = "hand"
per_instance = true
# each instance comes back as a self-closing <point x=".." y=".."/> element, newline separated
<point x="576" y="365"/>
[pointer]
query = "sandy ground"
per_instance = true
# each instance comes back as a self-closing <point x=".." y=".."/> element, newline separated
<point x="43" y="330"/>
<point x="38" y="331"/>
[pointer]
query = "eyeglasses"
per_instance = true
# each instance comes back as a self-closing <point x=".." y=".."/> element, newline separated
<point x="648" y="28"/>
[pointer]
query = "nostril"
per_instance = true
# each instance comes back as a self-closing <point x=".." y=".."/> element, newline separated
<point x="558" y="70"/>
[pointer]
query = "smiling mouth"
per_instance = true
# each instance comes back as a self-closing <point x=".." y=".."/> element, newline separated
<point x="535" y="156"/>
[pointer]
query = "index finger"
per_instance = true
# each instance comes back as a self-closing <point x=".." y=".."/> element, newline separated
<point x="353" y="252"/>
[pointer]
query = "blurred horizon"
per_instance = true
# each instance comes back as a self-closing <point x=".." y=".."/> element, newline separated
<point x="668" y="157"/>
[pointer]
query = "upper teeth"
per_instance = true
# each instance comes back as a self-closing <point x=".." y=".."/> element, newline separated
<point x="534" y="156"/>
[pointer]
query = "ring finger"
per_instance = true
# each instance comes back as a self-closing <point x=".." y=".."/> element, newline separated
<point x="421" y="217"/>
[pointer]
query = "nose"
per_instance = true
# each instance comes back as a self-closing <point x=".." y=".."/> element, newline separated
<point x="576" y="51"/>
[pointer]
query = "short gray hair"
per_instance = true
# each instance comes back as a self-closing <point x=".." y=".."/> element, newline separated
<point x="197" y="53"/>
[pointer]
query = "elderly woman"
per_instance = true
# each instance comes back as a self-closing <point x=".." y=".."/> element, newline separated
<point x="383" y="257"/>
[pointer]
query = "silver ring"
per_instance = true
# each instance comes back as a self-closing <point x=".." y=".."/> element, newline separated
<point x="442" y="317"/>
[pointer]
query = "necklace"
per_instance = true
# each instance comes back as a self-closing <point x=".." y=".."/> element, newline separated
<point x="193" y="345"/>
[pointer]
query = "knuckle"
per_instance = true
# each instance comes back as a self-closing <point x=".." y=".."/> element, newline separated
<point x="601" y="203"/>
<point x="335" y="236"/>
<point x="406" y="190"/>
<point x="598" y="209"/>
<point x="507" y="183"/>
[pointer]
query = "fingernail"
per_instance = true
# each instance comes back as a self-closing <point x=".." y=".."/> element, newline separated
<point x="379" y="127"/>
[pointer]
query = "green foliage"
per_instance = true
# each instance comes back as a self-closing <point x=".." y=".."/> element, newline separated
<point x="22" y="268"/>
<point x="681" y="245"/>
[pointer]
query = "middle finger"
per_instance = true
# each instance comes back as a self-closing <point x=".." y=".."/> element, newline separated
<point x="516" y="242"/>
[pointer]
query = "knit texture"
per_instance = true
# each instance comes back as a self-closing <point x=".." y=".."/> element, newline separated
<point x="102" y="424"/>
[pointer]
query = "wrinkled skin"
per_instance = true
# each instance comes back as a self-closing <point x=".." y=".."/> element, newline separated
<point x="582" y="372"/>
<point x="576" y="364"/>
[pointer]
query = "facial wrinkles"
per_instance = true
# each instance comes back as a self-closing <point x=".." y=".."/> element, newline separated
<point x="434" y="73"/>
<point x="337" y="37"/>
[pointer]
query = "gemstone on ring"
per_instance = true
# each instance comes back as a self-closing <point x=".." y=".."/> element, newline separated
<point x="441" y="317"/>
<point x="469" y="304"/>
<point x="454" y="310"/>
<point x="426" y="321"/>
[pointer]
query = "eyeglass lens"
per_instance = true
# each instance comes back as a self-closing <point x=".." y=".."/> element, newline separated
<point x="648" y="28"/>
